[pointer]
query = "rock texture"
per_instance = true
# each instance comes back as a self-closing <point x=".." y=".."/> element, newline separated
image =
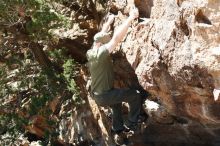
<point x="175" y="53"/>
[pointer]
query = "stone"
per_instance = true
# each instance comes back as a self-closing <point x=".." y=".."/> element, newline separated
<point x="174" y="54"/>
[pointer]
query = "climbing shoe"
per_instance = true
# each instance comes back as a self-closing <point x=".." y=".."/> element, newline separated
<point x="120" y="138"/>
<point x="136" y="127"/>
<point x="142" y="118"/>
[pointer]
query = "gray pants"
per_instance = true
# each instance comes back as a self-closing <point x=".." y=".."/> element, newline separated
<point x="114" y="99"/>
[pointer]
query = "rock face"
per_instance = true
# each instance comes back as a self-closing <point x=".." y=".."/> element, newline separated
<point x="175" y="54"/>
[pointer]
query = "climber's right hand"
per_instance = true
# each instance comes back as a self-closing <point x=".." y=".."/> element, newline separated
<point x="133" y="12"/>
<point x="111" y="18"/>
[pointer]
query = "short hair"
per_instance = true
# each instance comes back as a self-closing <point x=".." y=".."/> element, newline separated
<point x="102" y="37"/>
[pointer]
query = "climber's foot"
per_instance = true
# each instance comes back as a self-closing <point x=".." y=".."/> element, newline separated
<point x="121" y="137"/>
<point x="136" y="127"/>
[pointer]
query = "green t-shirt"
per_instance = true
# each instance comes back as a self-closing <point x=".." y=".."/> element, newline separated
<point x="101" y="69"/>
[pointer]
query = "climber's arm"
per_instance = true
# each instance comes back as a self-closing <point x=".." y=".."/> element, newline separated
<point x="107" y="24"/>
<point x="122" y="30"/>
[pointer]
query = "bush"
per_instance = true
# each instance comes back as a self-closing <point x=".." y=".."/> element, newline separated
<point x="26" y="89"/>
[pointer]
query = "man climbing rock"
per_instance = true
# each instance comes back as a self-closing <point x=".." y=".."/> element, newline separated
<point x="102" y="78"/>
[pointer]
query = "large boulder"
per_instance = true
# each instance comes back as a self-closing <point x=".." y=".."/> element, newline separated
<point x="175" y="54"/>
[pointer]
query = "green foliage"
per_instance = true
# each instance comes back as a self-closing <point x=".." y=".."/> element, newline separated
<point x="45" y="19"/>
<point x="11" y="124"/>
<point x="69" y="75"/>
<point x="58" y="56"/>
<point x="69" y="72"/>
<point x="7" y="11"/>
<point x="3" y="86"/>
<point x="37" y="16"/>
<point x="28" y="88"/>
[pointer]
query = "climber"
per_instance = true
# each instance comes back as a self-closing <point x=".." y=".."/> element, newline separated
<point x="101" y="69"/>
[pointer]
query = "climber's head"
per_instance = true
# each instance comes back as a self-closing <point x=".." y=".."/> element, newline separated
<point x="102" y="37"/>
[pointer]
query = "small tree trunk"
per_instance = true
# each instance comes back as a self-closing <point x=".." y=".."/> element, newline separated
<point x="40" y="55"/>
